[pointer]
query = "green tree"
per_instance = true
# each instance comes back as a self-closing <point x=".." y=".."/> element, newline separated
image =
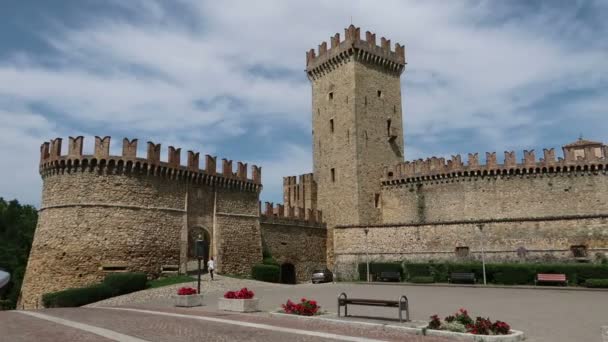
<point x="17" y="226"/>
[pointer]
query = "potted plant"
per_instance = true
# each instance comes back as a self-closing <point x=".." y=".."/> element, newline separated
<point x="306" y="307"/>
<point x="187" y="297"/>
<point x="239" y="301"/>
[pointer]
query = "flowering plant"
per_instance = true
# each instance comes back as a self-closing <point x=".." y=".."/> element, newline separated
<point x="243" y="293"/>
<point x="306" y="307"/>
<point x="461" y="322"/>
<point x="186" y="291"/>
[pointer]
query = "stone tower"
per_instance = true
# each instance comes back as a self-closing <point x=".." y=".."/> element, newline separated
<point x="357" y="124"/>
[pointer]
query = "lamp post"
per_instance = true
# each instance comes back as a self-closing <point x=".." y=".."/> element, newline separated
<point x="366" y="230"/>
<point x="483" y="257"/>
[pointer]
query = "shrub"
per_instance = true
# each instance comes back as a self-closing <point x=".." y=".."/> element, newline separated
<point x="123" y="283"/>
<point x="422" y="280"/>
<point x="306" y="307"/>
<point x="268" y="273"/>
<point x="416" y="270"/>
<point x="243" y="293"/>
<point x="512" y="274"/>
<point x="77" y="296"/>
<point x="186" y="291"/>
<point x="270" y="261"/>
<point x="375" y="268"/>
<point x="597" y="283"/>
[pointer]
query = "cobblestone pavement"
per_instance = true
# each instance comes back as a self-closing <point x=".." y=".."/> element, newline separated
<point x="189" y="326"/>
<point x="544" y="315"/>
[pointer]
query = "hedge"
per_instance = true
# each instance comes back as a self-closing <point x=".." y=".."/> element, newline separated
<point x="598" y="283"/>
<point x="76" y="296"/>
<point x="267" y="273"/>
<point x="113" y="285"/>
<point x="123" y="283"/>
<point x="422" y="279"/>
<point x="509" y="273"/>
<point x="375" y="268"/>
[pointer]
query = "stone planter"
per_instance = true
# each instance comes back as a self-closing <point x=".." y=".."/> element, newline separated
<point x="239" y="305"/>
<point x="188" y="301"/>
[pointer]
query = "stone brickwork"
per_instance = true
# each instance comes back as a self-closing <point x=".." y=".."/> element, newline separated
<point x="357" y="129"/>
<point x="295" y="240"/>
<point x="103" y="213"/>
<point x="514" y="240"/>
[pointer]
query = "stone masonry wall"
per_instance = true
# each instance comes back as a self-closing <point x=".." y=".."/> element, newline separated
<point x="298" y="243"/>
<point x="90" y="220"/>
<point x="547" y="240"/>
<point x="495" y="197"/>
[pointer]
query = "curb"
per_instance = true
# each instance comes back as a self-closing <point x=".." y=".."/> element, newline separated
<point x="516" y="336"/>
<point x="476" y="286"/>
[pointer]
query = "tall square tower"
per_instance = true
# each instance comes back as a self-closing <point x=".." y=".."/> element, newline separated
<point x="357" y="124"/>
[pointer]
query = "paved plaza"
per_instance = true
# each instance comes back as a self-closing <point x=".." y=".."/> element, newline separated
<point x="543" y="314"/>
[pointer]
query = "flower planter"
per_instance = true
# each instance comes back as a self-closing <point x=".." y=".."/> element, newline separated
<point x="239" y="305"/>
<point x="188" y="301"/>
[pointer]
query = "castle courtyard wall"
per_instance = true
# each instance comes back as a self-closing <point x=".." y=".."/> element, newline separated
<point x="296" y="242"/>
<point x="494" y="197"/>
<point x="544" y="240"/>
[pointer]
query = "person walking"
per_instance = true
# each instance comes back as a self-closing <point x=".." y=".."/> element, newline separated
<point x="211" y="267"/>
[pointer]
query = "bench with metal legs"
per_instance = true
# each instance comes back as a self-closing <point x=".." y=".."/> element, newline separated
<point x="402" y="304"/>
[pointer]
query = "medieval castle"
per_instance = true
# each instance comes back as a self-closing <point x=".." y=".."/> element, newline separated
<point x="102" y="213"/>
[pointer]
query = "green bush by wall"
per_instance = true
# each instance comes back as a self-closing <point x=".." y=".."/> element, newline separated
<point x="375" y="268"/>
<point x="268" y="273"/>
<point x="123" y="283"/>
<point x="77" y="296"/>
<point x="597" y="283"/>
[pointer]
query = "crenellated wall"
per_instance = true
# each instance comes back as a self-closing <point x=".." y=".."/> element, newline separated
<point x="435" y="191"/>
<point x="296" y="236"/>
<point x="103" y="213"/>
<point x="300" y="191"/>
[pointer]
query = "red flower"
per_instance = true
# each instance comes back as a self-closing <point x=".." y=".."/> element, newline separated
<point x="305" y="307"/>
<point x="243" y="293"/>
<point x="185" y="291"/>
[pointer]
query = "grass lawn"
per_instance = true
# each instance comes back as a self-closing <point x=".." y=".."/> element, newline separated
<point x="160" y="282"/>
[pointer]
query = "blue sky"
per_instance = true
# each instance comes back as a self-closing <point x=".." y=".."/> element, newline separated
<point x="226" y="78"/>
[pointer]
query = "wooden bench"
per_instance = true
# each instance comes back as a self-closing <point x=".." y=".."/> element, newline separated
<point x="389" y="276"/>
<point x="401" y="304"/>
<point x="550" y="278"/>
<point x="462" y="276"/>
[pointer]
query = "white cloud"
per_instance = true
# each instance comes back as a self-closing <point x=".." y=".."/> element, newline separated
<point x="183" y="76"/>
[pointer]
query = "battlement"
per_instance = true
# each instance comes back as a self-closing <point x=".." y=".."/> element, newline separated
<point x="292" y="214"/>
<point x="300" y="191"/>
<point x="437" y="168"/>
<point x="52" y="161"/>
<point x="326" y="59"/>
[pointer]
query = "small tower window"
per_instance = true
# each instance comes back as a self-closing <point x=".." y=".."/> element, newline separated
<point x="365" y="101"/>
<point x="462" y="252"/>
<point x="388" y="127"/>
<point x="394" y="109"/>
<point x="333" y="174"/>
<point x="379" y="93"/>
<point x="377" y="200"/>
<point x="330" y="96"/>
<point x="318" y="111"/>
<point x="331" y="125"/>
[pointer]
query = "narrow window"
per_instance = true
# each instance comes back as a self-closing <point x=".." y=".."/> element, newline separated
<point x="347" y="99"/>
<point x="348" y="136"/>
<point x="394" y="109"/>
<point x="330" y="95"/>
<point x="318" y="111"/>
<point x="462" y="252"/>
<point x="379" y="93"/>
<point x="365" y="101"/>
<point x="388" y="127"/>
<point x="333" y="175"/>
<point x="331" y="125"/>
<point x="579" y="251"/>
<point x="377" y="200"/>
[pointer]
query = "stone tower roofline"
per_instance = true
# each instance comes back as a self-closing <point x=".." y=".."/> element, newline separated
<point x="367" y="51"/>
<point x="52" y="162"/>
<point x="279" y="211"/>
<point x="435" y="168"/>
<point x="299" y="180"/>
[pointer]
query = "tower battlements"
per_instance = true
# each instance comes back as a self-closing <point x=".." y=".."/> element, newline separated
<point x="326" y="59"/>
<point x="438" y="168"/>
<point x="52" y="161"/>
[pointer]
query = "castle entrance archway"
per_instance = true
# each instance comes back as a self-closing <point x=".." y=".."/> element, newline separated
<point x="288" y="273"/>
<point x="194" y="233"/>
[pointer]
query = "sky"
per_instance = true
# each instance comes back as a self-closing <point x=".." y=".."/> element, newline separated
<point x="227" y="77"/>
